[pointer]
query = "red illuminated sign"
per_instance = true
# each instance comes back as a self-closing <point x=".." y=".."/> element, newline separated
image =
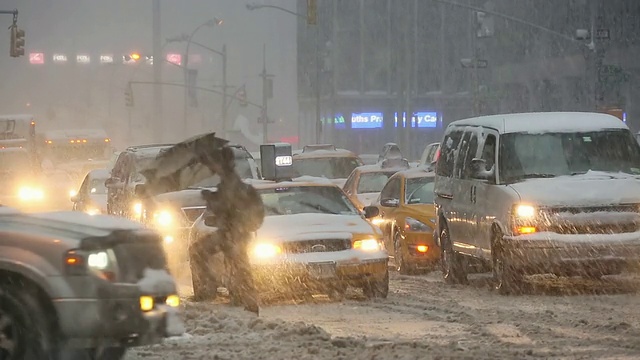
<point x="174" y="59"/>
<point x="36" y="58"/>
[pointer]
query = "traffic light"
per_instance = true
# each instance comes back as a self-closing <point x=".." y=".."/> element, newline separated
<point x="128" y="96"/>
<point x="17" y="41"/>
<point x="312" y="12"/>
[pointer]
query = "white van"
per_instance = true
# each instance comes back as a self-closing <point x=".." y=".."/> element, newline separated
<point x="538" y="193"/>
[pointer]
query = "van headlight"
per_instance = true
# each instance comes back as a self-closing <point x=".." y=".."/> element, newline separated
<point x="28" y="193"/>
<point x="367" y="245"/>
<point x="266" y="250"/>
<point x="137" y="208"/>
<point x="163" y="218"/>
<point x="524" y="211"/>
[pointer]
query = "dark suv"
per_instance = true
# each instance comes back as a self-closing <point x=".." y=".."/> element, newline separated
<point x="125" y="175"/>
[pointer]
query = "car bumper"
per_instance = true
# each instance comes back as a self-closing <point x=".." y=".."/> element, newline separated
<point x="88" y="323"/>
<point x="415" y="254"/>
<point x="572" y="253"/>
<point x="355" y="273"/>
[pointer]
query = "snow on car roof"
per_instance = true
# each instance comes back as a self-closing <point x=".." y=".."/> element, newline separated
<point x="299" y="181"/>
<point x="81" y="219"/>
<point x="377" y="168"/>
<point x="324" y="154"/>
<point x="415" y="173"/>
<point x="545" y="122"/>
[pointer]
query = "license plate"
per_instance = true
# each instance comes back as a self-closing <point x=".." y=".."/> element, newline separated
<point x="322" y="270"/>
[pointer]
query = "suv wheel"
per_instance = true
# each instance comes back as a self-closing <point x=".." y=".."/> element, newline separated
<point x="453" y="268"/>
<point x="506" y="278"/>
<point x="24" y="332"/>
<point x="401" y="264"/>
<point x="377" y="288"/>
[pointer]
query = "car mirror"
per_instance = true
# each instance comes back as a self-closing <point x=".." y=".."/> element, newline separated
<point x="140" y="190"/>
<point x="210" y="220"/>
<point x="113" y="183"/>
<point x="390" y="202"/>
<point x="479" y="169"/>
<point x="74" y="198"/>
<point x="371" y="212"/>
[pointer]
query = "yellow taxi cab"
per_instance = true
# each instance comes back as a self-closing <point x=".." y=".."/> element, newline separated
<point x="313" y="239"/>
<point x="325" y="161"/>
<point x="407" y="219"/>
<point x="364" y="184"/>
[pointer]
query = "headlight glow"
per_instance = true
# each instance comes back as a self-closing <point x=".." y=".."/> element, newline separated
<point x="137" y="208"/>
<point x="93" y="211"/>
<point x="146" y="303"/>
<point x="377" y="221"/>
<point x="27" y="193"/>
<point x="173" y="300"/>
<point x="367" y="245"/>
<point x="72" y="193"/>
<point x="163" y="218"/>
<point x="168" y="239"/>
<point x="99" y="260"/>
<point x="525" y="211"/>
<point x="266" y="250"/>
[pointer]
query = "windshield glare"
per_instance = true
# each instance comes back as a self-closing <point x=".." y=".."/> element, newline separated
<point x="306" y="199"/>
<point x="330" y="168"/>
<point x="419" y="191"/>
<point x="372" y="182"/>
<point x="555" y="154"/>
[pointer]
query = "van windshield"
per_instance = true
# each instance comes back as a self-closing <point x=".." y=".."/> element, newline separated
<point x="525" y="155"/>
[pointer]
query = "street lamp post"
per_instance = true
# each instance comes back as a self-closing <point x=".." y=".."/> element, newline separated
<point x="209" y="23"/>
<point x="318" y="122"/>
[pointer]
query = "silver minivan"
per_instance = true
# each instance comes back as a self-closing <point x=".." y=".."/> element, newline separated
<point x="537" y="193"/>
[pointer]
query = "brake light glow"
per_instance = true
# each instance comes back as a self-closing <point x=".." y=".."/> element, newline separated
<point x="526" y="230"/>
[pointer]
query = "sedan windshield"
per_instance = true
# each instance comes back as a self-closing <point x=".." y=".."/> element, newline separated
<point x="329" y="167"/>
<point x="555" y="154"/>
<point x="373" y="182"/>
<point x="419" y="190"/>
<point x="306" y="199"/>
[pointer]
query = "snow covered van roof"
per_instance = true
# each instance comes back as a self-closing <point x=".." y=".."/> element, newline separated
<point x="545" y="122"/>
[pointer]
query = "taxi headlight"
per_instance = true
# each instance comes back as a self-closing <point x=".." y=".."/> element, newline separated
<point x="367" y="245"/>
<point x="377" y="221"/>
<point x="93" y="211"/>
<point x="27" y="193"/>
<point x="163" y="218"/>
<point x="266" y="250"/>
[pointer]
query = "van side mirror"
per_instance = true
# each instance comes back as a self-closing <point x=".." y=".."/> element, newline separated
<point x="210" y="220"/>
<point x="371" y="212"/>
<point x="140" y="190"/>
<point x="479" y="170"/>
<point x="74" y="198"/>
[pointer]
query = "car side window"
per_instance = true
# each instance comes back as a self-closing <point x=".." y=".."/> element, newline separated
<point x="84" y="188"/>
<point x="446" y="160"/>
<point x="460" y="154"/>
<point x="470" y="154"/>
<point x="118" y="168"/>
<point x="348" y="185"/>
<point x="391" y="190"/>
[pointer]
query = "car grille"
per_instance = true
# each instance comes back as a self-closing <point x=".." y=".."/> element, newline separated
<point x="193" y="213"/>
<point x="320" y="245"/>
<point x="613" y="219"/>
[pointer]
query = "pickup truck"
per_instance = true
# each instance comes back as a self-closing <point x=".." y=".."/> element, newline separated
<point x="77" y="286"/>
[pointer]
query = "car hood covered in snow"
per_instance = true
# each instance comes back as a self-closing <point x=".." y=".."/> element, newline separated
<point x="313" y="226"/>
<point x="590" y="189"/>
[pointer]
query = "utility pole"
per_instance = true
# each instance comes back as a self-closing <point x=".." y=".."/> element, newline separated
<point x="224" y="90"/>
<point x="318" y="70"/>
<point x="264" y="117"/>
<point x="157" y="122"/>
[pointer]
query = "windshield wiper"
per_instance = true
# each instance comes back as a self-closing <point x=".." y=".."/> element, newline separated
<point x="273" y="210"/>
<point x="537" y="175"/>
<point x="319" y="207"/>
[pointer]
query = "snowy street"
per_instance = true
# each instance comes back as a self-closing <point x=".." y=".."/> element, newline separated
<point x="423" y="318"/>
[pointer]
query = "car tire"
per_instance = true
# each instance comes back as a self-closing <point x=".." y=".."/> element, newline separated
<point x="24" y="330"/>
<point x="401" y="264"/>
<point x="453" y="267"/>
<point x="377" y="288"/>
<point x="507" y="280"/>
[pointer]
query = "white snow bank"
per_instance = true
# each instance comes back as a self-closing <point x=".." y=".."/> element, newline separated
<point x="175" y="325"/>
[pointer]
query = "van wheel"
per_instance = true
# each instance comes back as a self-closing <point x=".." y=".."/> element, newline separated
<point x="401" y="264"/>
<point x="507" y="280"/>
<point x="453" y="270"/>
